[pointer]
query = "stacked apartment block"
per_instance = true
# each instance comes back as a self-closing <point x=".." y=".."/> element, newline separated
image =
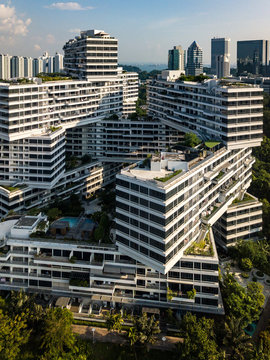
<point x="171" y="206"/>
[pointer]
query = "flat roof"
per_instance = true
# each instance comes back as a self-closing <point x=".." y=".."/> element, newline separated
<point x="26" y="221"/>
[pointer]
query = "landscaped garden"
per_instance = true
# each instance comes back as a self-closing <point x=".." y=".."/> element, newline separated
<point x="202" y="248"/>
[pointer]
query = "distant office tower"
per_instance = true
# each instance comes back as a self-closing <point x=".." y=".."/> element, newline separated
<point x="93" y="53"/>
<point x="5" y="67"/>
<point x="253" y="57"/>
<point x="28" y="67"/>
<point x="222" y="66"/>
<point x="194" y="59"/>
<point x="176" y="58"/>
<point x="58" y="63"/>
<point x="37" y="66"/>
<point x="17" y="67"/>
<point x="219" y="46"/>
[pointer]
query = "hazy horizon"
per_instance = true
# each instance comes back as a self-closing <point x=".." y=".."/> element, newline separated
<point x="145" y="29"/>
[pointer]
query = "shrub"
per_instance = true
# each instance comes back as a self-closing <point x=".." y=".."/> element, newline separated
<point x="246" y="264"/>
<point x="245" y="275"/>
<point x="191" y="294"/>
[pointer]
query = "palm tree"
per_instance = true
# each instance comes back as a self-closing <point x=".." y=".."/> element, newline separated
<point x="114" y="322"/>
<point x="238" y="344"/>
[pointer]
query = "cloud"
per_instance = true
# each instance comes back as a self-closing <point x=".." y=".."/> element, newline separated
<point x="77" y="31"/>
<point x="70" y="5"/>
<point x="37" y="47"/>
<point x="10" y="23"/>
<point x="50" y="39"/>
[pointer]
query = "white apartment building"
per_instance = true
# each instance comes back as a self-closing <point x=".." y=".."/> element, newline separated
<point x="28" y="67"/>
<point x="222" y="110"/>
<point x="130" y="90"/>
<point x="164" y="206"/>
<point x="17" y="67"/>
<point x="4" y="66"/>
<point x="92" y="54"/>
<point x="99" y="275"/>
<point x="168" y="206"/>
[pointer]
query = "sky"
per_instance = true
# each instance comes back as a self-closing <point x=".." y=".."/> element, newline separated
<point x="146" y="29"/>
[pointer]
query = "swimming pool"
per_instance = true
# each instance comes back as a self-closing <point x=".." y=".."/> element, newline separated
<point x="71" y="220"/>
<point x="74" y="221"/>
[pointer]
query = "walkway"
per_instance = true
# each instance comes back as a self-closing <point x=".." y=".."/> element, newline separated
<point x="103" y="335"/>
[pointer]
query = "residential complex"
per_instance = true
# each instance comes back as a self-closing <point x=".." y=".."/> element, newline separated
<point x="92" y="54"/>
<point x="172" y="202"/>
<point x="12" y="67"/>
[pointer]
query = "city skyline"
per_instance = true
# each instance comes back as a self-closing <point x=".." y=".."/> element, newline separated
<point x="29" y="29"/>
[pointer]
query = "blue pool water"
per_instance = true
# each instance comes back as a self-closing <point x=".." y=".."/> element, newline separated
<point x="71" y="220"/>
<point x="74" y="221"/>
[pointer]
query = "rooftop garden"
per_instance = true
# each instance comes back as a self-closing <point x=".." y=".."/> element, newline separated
<point x="202" y="248"/>
<point x="52" y="77"/>
<point x="13" y="188"/>
<point x="170" y="176"/>
<point x="246" y="197"/>
<point x="211" y="144"/>
<point x="220" y="174"/>
<point x="54" y="128"/>
<point x="199" y="78"/>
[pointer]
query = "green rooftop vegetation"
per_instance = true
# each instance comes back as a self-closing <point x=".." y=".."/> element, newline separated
<point x="211" y="144"/>
<point x="199" y="78"/>
<point x="220" y="174"/>
<point x="202" y="248"/>
<point x="168" y="177"/>
<point x="13" y="188"/>
<point x="53" y="77"/>
<point x="53" y="128"/>
<point x="246" y="197"/>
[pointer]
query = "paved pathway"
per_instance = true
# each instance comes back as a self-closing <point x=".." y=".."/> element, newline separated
<point x="103" y="335"/>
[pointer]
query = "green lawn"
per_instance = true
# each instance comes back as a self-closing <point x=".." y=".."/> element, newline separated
<point x="211" y="144"/>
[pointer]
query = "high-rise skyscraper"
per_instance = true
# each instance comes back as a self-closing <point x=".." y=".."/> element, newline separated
<point x="176" y="58"/>
<point x="194" y="59"/>
<point x="219" y="46"/>
<point x="222" y="66"/>
<point x="253" y="57"/>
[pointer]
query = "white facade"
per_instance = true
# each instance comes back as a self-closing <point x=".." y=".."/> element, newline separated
<point x="222" y="110"/>
<point x="92" y="54"/>
<point x="5" y="67"/>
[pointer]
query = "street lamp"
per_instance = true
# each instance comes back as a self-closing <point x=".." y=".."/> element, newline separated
<point x="93" y="331"/>
<point x="163" y="340"/>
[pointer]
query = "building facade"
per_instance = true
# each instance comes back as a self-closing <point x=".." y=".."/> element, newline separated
<point x="176" y="59"/>
<point x="194" y="59"/>
<point x="253" y="57"/>
<point x="219" y="47"/>
<point x="92" y="54"/>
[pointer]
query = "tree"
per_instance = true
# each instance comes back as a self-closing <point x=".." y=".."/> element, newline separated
<point x="143" y="330"/>
<point x="191" y="140"/>
<point x="54" y="214"/>
<point x="13" y="335"/>
<point x="237" y="343"/>
<point x="57" y="338"/>
<point x="262" y="351"/>
<point x="23" y="304"/>
<point x="241" y="303"/>
<point x="114" y="322"/>
<point x="199" y="339"/>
